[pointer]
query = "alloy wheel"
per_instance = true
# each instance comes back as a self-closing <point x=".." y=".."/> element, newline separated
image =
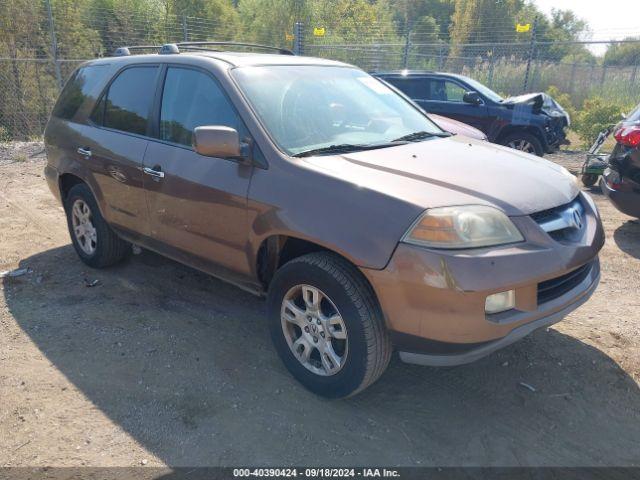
<point x="522" y="145"/>
<point x="83" y="228"/>
<point x="314" y="329"/>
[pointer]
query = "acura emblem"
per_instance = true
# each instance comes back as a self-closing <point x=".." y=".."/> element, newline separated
<point x="577" y="219"/>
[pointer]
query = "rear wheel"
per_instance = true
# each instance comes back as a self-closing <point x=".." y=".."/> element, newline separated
<point x="94" y="241"/>
<point x="589" y="179"/>
<point x="327" y="326"/>
<point x="525" y="142"/>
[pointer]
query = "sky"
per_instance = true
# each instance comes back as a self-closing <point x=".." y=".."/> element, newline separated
<point x="611" y="19"/>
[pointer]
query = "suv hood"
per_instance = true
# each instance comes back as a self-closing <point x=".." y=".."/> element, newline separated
<point x="456" y="171"/>
<point x="539" y="102"/>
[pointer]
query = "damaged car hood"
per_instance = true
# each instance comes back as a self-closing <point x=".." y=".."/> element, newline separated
<point x="538" y="102"/>
<point x="456" y="171"/>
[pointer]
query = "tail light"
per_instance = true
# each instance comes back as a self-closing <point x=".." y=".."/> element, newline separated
<point x="629" y="136"/>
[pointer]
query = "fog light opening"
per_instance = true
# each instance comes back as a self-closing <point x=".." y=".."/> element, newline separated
<point x="500" y="302"/>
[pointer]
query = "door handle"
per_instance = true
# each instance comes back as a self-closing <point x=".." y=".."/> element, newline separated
<point x="86" y="152"/>
<point x="153" y="173"/>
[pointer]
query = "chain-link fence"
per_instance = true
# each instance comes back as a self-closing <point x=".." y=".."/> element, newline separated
<point x="40" y="47"/>
<point x="508" y="68"/>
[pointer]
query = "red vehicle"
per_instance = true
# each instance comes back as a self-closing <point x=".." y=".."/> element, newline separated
<point x="459" y="128"/>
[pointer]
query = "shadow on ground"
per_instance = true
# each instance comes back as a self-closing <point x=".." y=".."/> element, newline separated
<point x="627" y="237"/>
<point x="183" y="363"/>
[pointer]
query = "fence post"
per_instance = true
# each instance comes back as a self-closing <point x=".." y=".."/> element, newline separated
<point x="491" y="69"/>
<point x="604" y="73"/>
<point x="440" y="57"/>
<point x="298" y="40"/>
<point x="572" y="78"/>
<point x="405" y="53"/>
<point x="185" y="32"/>
<point x="54" y="45"/>
<point x="532" y="47"/>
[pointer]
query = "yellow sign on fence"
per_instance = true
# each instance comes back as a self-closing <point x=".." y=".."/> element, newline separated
<point x="523" y="28"/>
<point x="288" y="37"/>
<point x="318" y="31"/>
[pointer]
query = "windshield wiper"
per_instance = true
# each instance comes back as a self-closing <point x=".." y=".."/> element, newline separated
<point x="421" y="135"/>
<point x="340" y="148"/>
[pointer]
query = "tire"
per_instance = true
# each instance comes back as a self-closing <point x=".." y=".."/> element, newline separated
<point x="529" y="143"/>
<point x="366" y="349"/>
<point x="98" y="246"/>
<point x="589" y="179"/>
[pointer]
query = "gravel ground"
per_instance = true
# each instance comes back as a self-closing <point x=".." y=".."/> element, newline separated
<point x="159" y="365"/>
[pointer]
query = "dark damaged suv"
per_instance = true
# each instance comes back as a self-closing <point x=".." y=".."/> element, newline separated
<point x="534" y="123"/>
<point x="367" y="227"/>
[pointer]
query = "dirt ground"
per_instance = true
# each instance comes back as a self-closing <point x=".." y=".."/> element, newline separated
<point x="158" y="364"/>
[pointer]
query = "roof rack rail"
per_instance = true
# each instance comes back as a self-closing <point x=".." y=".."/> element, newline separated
<point x="174" y="48"/>
<point x="125" y="51"/>
<point x="198" y="45"/>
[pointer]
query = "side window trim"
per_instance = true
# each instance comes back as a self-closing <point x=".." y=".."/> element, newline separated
<point x="451" y="80"/>
<point x="157" y="103"/>
<point x="105" y="91"/>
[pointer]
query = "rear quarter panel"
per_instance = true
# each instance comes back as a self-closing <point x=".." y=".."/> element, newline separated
<point x="61" y="140"/>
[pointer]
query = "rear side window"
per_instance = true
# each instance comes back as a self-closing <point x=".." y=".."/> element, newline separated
<point x="413" y="87"/>
<point x="80" y="86"/>
<point x="127" y="103"/>
<point x="192" y="99"/>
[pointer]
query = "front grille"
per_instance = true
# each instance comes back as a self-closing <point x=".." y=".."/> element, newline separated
<point x="556" y="287"/>
<point x="560" y="222"/>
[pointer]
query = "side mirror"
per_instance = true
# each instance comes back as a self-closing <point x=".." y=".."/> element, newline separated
<point x="218" y="141"/>
<point x="472" y="97"/>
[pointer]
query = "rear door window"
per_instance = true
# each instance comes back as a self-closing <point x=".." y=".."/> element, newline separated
<point x="413" y="87"/>
<point x="126" y="105"/>
<point x="191" y="99"/>
<point x="79" y="88"/>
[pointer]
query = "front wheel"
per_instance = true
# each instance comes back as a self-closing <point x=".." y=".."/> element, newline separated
<point x="327" y="326"/>
<point x="525" y="142"/>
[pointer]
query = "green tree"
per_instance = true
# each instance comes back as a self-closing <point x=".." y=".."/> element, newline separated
<point x="408" y="14"/>
<point x="563" y="27"/>
<point x="24" y="83"/>
<point x="214" y="19"/>
<point x="75" y="36"/>
<point x="623" y="53"/>
<point x="268" y="21"/>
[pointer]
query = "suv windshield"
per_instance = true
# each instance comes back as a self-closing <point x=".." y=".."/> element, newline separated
<point x="309" y="108"/>
<point x="484" y="90"/>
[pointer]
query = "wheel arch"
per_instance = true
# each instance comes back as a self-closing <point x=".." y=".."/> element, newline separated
<point x="277" y="249"/>
<point x="68" y="180"/>
<point x="530" y="129"/>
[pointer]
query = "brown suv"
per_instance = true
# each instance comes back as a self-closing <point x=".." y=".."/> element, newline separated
<point x="367" y="227"/>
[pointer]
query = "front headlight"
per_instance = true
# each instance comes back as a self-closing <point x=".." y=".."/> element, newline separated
<point x="468" y="226"/>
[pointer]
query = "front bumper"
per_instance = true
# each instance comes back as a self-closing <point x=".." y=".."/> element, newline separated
<point x="434" y="300"/>
<point x="554" y="139"/>
<point x="560" y="309"/>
